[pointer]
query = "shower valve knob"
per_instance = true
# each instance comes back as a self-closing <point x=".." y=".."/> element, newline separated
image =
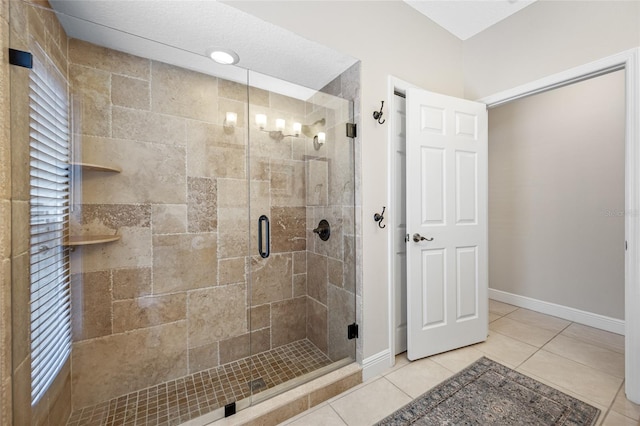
<point x="323" y="230"/>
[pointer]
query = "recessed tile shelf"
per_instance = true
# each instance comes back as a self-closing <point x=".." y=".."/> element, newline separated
<point x="96" y="167"/>
<point x="85" y="240"/>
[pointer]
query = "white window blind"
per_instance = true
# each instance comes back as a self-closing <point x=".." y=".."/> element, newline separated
<point x="49" y="143"/>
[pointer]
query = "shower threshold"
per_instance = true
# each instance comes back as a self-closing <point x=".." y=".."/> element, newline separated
<point x="189" y="397"/>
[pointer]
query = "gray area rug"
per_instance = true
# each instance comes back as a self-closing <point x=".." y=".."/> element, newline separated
<point x="488" y="393"/>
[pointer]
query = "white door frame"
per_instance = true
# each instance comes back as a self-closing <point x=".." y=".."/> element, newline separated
<point x="395" y="84"/>
<point x="629" y="61"/>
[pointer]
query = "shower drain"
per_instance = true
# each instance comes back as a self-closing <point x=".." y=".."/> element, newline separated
<point x="257" y="385"/>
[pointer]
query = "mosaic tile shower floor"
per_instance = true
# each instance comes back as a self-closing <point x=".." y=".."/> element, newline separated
<point x="189" y="397"/>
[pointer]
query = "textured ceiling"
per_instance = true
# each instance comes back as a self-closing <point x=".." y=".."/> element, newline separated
<point x="466" y="18"/>
<point x="180" y="32"/>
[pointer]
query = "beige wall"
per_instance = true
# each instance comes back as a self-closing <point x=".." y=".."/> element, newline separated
<point x="389" y="38"/>
<point x="556" y="196"/>
<point x="546" y="38"/>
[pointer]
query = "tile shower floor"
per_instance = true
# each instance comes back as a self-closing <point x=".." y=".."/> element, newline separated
<point x="189" y="397"/>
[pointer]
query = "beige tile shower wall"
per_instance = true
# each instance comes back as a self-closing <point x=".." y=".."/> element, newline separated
<point x="331" y="270"/>
<point x="27" y="23"/>
<point x="172" y="296"/>
<point x="5" y="222"/>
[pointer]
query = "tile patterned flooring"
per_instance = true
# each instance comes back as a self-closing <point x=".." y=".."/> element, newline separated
<point x="581" y="361"/>
<point x="188" y="397"/>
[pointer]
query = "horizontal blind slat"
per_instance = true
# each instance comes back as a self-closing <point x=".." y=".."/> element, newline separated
<point x="58" y="169"/>
<point x="57" y="102"/>
<point x="53" y="159"/>
<point x="46" y="335"/>
<point x="46" y="284"/>
<point x="52" y="122"/>
<point x="43" y="380"/>
<point x="45" y="153"/>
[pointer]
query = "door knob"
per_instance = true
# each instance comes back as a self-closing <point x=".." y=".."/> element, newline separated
<point x="417" y="238"/>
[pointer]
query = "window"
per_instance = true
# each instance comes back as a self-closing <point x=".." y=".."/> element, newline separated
<point x="49" y="211"/>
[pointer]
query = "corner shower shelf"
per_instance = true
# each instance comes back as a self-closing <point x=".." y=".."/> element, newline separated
<point x="85" y="240"/>
<point x="96" y="167"/>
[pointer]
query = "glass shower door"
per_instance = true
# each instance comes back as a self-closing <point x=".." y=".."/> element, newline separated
<point x="301" y="267"/>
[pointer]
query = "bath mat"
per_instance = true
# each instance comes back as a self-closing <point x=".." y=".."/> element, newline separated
<point x="488" y="393"/>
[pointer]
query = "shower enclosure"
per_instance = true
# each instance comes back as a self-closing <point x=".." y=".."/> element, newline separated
<point x="210" y="236"/>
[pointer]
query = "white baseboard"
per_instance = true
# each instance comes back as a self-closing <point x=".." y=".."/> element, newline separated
<point x="375" y="365"/>
<point x="601" y="322"/>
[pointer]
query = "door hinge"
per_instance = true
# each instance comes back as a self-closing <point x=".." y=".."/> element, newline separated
<point x="20" y="58"/>
<point x="352" y="331"/>
<point x="351" y="130"/>
<point x="626" y="247"/>
<point x="230" y="409"/>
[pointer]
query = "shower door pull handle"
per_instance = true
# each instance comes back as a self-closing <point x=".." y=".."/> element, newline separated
<point x="261" y="229"/>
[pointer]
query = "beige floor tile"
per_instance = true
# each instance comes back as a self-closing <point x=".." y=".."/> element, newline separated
<point x="418" y="377"/>
<point x="539" y="320"/>
<point x="507" y="349"/>
<point x="605" y="339"/>
<point x="615" y="419"/>
<point x="493" y="317"/>
<point x="401" y="361"/>
<point x="458" y="359"/>
<point x="370" y="403"/>
<point x="353" y="389"/>
<point x="623" y="406"/>
<point x="523" y="332"/>
<point x="500" y="308"/>
<point x="585" y="353"/>
<point x="322" y="416"/>
<point x="593" y="384"/>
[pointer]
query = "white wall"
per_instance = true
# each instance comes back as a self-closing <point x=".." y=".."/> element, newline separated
<point x="556" y="196"/>
<point x="545" y="38"/>
<point x="389" y="38"/>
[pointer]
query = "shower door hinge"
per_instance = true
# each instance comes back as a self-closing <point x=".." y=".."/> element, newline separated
<point x="230" y="409"/>
<point x="20" y="58"/>
<point x="352" y="331"/>
<point x="351" y="130"/>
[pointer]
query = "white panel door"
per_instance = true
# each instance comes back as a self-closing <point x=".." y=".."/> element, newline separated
<point x="447" y="300"/>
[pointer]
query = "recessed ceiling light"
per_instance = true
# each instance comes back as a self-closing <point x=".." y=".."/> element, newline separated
<point x="223" y="56"/>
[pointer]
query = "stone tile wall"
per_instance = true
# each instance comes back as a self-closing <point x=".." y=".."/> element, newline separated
<point x="174" y="296"/>
<point x="27" y="22"/>
<point x="5" y="222"/>
<point x="335" y="282"/>
<point x="171" y="297"/>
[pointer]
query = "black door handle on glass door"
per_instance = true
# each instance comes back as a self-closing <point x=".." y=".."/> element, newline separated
<point x="262" y="220"/>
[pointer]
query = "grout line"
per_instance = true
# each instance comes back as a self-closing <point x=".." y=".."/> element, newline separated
<point x="610" y="408"/>
<point x="338" y="414"/>
<point x="394" y="385"/>
<point x="541" y="347"/>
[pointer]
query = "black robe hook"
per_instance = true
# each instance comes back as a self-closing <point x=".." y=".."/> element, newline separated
<point x="379" y="217"/>
<point x="377" y="115"/>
